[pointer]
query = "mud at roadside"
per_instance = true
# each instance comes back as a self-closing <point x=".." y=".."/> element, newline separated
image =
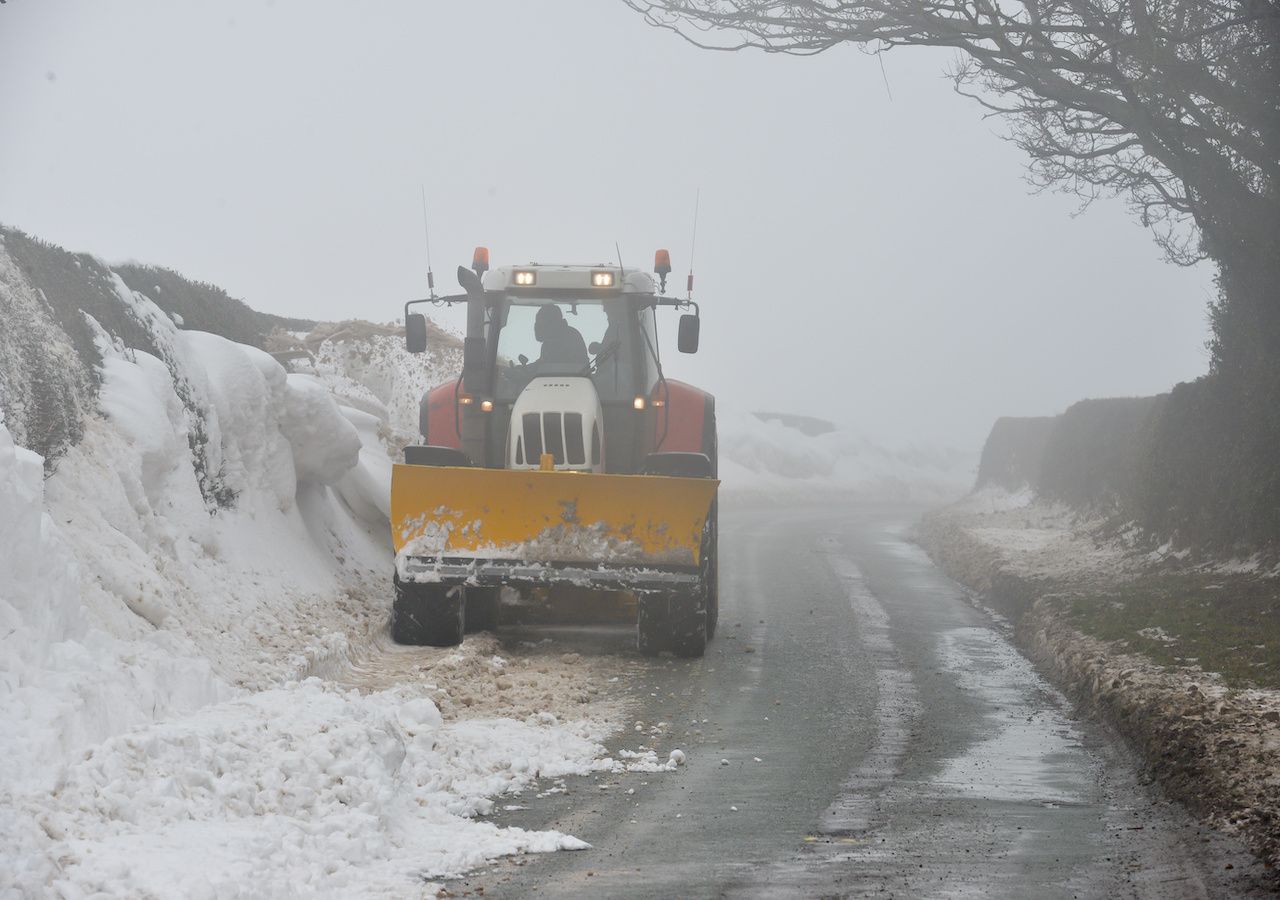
<point x="1213" y="746"/>
<point x="487" y="677"/>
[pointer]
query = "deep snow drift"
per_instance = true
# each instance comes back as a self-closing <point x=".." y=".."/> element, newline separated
<point x="760" y="455"/>
<point x="162" y="602"/>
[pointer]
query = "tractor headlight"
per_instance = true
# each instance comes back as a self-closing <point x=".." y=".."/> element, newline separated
<point x="602" y="279"/>
<point x="526" y="278"/>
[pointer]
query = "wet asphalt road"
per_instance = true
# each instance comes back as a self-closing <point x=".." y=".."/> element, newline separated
<point x="882" y="737"/>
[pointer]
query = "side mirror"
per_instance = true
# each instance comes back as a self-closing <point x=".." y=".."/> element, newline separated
<point x="415" y="333"/>
<point x="687" y="340"/>
<point x="470" y="281"/>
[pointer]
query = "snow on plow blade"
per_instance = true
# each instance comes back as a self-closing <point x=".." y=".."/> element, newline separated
<point x="503" y="526"/>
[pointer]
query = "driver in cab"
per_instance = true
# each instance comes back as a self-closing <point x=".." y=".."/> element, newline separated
<point x="562" y="344"/>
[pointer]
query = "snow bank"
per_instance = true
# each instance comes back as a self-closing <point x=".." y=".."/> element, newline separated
<point x="66" y="681"/>
<point x="219" y="533"/>
<point x="365" y="487"/>
<point x="75" y="670"/>
<point x="325" y="444"/>
<point x="770" y="456"/>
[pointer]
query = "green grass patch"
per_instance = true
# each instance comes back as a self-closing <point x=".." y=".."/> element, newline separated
<point x="1229" y="624"/>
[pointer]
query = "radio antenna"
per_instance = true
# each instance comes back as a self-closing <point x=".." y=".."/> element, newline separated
<point x="697" y="201"/>
<point x="618" y="250"/>
<point x="426" y="230"/>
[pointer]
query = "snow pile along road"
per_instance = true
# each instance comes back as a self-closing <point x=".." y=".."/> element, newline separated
<point x="299" y="789"/>
<point x="217" y="536"/>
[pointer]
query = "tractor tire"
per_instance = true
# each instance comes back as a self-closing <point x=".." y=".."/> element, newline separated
<point x="711" y="570"/>
<point x="652" y="634"/>
<point x="482" y="608"/>
<point x="689" y="635"/>
<point x="429" y="615"/>
<point x="674" y="623"/>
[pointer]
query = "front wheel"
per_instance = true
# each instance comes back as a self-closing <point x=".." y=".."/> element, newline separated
<point x="671" y="622"/>
<point x="711" y="569"/>
<point x="482" y="608"/>
<point x="430" y="615"/>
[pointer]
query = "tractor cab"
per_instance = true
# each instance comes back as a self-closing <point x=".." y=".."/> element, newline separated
<point x="561" y="360"/>
<point x="574" y="365"/>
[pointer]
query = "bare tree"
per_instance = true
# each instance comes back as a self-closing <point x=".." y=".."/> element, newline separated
<point x="1171" y="104"/>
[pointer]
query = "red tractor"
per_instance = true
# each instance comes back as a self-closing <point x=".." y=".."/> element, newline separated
<point x="560" y="455"/>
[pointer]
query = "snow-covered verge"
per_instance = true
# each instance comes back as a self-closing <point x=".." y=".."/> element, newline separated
<point x="769" y="456"/>
<point x="993" y="534"/>
<point x="1214" y="746"/>
<point x="197" y="695"/>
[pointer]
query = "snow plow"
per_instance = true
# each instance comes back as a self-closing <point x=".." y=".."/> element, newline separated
<point x="560" y="457"/>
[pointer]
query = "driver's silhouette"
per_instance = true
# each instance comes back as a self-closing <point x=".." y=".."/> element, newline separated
<point x="562" y="344"/>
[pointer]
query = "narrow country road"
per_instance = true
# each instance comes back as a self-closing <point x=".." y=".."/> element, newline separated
<point x="858" y="728"/>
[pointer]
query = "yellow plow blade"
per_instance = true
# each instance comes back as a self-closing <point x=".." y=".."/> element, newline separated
<point x="548" y="516"/>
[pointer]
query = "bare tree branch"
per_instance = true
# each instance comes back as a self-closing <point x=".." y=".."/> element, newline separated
<point x="1171" y="104"/>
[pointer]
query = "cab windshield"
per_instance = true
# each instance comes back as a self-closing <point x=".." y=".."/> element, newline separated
<point x="600" y="338"/>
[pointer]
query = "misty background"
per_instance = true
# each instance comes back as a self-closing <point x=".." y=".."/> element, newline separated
<point x="872" y="259"/>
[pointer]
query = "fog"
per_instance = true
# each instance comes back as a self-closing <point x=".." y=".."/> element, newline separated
<point x="867" y="248"/>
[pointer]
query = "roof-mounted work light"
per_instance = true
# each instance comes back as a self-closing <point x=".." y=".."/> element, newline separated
<point x="525" y="278"/>
<point x="602" y="279"/>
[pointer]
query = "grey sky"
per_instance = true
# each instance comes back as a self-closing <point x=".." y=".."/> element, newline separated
<point x="878" y="262"/>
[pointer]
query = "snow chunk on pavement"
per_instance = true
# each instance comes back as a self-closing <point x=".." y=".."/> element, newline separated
<point x="419" y="715"/>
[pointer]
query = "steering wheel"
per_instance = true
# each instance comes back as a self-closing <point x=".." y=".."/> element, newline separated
<point x="516" y="374"/>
